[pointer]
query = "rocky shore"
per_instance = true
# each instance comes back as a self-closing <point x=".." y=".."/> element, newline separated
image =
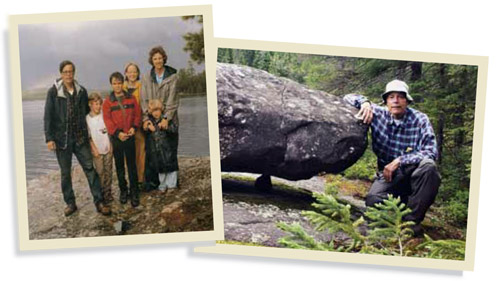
<point x="186" y="209"/>
<point x="251" y="214"/>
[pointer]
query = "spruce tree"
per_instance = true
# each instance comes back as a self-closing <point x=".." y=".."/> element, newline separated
<point x="386" y="236"/>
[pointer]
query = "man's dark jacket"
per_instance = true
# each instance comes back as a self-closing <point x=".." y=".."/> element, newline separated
<point x="55" y="119"/>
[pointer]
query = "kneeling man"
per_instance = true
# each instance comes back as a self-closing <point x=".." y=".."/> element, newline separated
<point x="406" y="149"/>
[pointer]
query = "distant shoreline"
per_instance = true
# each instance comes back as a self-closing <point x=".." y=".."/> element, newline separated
<point x="42" y="96"/>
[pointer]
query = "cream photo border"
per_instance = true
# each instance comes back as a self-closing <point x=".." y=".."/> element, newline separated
<point x="24" y="242"/>
<point x="468" y="263"/>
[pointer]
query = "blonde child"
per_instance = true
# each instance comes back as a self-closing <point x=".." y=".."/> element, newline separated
<point x="161" y="150"/>
<point x="101" y="147"/>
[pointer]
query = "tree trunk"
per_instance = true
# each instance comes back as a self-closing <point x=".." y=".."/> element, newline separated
<point x="443" y="81"/>
<point x="440" y="137"/>
<point x="416" y="68"/>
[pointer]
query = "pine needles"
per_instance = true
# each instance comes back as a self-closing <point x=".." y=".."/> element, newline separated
<point x="387" y="234"/>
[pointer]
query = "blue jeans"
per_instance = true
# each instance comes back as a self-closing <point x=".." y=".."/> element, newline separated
<point x="85" y="159"/>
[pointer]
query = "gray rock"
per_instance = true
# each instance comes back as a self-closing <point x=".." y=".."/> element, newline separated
<point x="121" y="227"/>
<point x="274" y="126"/>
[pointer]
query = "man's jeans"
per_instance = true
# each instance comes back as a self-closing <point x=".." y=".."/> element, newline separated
<point x="85" y="159"/>
<point x="417" y="185"/>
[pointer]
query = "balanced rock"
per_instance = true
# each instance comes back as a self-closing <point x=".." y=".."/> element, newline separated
<point x="274" y="126"/>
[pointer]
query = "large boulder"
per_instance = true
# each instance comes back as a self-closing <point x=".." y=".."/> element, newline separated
<point x="274" y="126"/>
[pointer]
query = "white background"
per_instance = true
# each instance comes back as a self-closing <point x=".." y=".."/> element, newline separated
<point x="456" y="27"/>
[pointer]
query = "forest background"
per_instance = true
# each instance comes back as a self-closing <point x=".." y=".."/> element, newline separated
<point x="445" y="92"/>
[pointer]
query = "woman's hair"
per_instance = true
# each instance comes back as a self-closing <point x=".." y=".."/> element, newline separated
<point x="127" y="66"/>
<point x="94" y="96"/>
<point x="154" y="105"/>
<point x="64" y="63"/>
<point x="153" y="51"/>
<point x="117" y="75"/>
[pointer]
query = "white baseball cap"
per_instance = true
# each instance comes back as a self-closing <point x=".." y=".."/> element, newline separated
<point x="397" y="86"/>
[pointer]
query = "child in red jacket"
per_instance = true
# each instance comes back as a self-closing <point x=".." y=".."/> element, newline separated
<point x="122" y="117"/>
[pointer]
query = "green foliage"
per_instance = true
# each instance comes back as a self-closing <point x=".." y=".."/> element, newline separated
<point x="387" y="235"/>
<point x="333" y="216"/>
<point x="190" y="82"/>
<point x="233" y="242"/>
<point x="194" y="41"/>
<point x="336" y="184"/>
<point x="455" y="210"/>
<point x="443" y="249"/>
<point x="364" y="168"/>
<point x="300" y="239"/>
<point x="277" y="63"/>
<point x="332" y="186"/>
<point x="387" y="225"/>
<point x="225" y="55"/>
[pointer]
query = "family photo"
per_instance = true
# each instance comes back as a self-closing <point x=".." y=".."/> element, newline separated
<point x="116" y="133"/>
<point x="345" y="154"/>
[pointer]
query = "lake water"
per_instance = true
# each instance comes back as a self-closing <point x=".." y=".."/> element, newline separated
<point x="193" y="134"/>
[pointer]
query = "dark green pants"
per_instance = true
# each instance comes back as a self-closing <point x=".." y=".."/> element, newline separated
<point x="417" y="185"/>
<point x="85" y="159"/>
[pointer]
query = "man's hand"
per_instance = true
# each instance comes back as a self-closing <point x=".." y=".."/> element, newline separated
<point x="123" y="136"/>
<point x="131" y="132"/>
<point x="366" y="113"/>
<point x="51" y="145"/>
<point x="164" y="124"/>
<point x="390" y="168"/>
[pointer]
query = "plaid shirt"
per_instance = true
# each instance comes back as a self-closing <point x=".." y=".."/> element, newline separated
<point x="411" y="140"/>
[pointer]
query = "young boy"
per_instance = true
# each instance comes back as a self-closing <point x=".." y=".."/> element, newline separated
<point x="100" y="145"/>
<point x="122" y="117"/>
<point x="161" y="165"/>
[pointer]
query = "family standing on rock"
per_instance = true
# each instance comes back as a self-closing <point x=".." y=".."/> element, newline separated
<point x="97" y="131"/>
<point x="406" y="149"/>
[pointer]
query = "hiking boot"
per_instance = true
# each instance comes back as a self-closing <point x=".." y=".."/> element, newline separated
<point x="123" y="197"/>
<point x="148" y="186"/>
<point x="135" y="198"/>
<point x="418" y="231"/>
<point x="102" y="209"/>
<point x="107" y="197"/>
<point x="135" y="201"/>
<point x="70" y="209"/>
<point x="107" y="200"/>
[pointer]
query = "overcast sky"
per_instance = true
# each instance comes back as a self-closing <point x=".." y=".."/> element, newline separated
<point x="98" y="48"/>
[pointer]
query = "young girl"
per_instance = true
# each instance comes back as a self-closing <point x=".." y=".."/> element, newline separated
<point x="100" y="145"/>
<point x="132" y="85"/>
<point x="161" y="150"/>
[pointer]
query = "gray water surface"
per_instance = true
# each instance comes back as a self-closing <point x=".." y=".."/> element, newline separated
<point x="193" y="134"/>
